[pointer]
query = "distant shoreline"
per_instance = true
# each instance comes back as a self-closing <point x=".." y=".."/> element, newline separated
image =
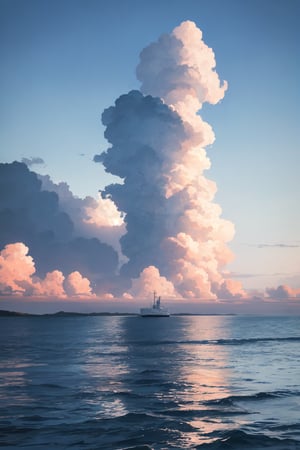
<point x="5" y="313"/>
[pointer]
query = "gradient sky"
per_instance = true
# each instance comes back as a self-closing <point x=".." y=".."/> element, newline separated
<point x="63" y="62"/>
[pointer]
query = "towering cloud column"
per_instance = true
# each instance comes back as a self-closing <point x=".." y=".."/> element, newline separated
<point x="158" y="145"/>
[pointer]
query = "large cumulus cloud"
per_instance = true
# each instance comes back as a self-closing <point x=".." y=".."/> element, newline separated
<point x="172" y="234"/>
<point x="144" y="133"/>
<point x="91" y="217"/>
<point x="34" y="217"/>
<point x="158" y="142"/>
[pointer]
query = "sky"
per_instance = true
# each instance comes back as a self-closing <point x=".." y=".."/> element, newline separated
<point x="64" y="62"/>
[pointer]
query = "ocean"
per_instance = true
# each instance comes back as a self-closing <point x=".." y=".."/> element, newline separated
<point x="126" y="382"/>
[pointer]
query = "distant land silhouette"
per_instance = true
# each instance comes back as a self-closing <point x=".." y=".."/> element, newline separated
<point x="5" y="313"/>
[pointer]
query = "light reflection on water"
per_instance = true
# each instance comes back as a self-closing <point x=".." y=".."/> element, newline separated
<point x="183" y="379"/>
<point x="183" y="374"/>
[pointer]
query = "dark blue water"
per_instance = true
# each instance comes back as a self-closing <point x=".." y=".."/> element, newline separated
<point x="208" y="382"/>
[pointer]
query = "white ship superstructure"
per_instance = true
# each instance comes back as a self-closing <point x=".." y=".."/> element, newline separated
<point x="156" y="310"/>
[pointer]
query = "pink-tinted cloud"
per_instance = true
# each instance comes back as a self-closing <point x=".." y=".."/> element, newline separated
<point x="36" y="217"/>
<point x="51" y="285"/>
<point x="16" y="269"/>
<point x="150" y="280"/>
<point x="17" y="277"/>
<point x="231" y="290"/>
<point x="283" y="292"/>
<point x="179" y="67"/>
<point x="78" y="286"/>
<point x="158" y="148"/>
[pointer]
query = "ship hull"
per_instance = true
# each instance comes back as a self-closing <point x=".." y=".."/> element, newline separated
<point x="151" y="312"/>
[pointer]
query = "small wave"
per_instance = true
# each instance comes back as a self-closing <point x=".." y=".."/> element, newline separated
<point x="14" y="430"/>
<point x="133" y="417"/>
<point x="229" y="401"/>
<point x="197" y="413"/>
<point x="127" y="394"/>
<point x="236" y="440"/>
<point x="232" y="341"/>
<point x="287" y="427"/>
<point x="255" y="340"/>
<point x="34" y="418"/>
<point x="5" y="422"/>
<point x="150" y="371"/>
<point x="139" y="447"/>
<point x="243" y="341"/>
<point x="156" y="382"/>
<point x="49" y="386"/>
<point x="147" y="381"/>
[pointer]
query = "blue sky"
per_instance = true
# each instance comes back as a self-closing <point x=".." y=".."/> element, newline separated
<point x="63" y="62"/>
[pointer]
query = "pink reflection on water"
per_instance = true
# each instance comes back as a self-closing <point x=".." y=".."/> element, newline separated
<point x="205" y="376"/>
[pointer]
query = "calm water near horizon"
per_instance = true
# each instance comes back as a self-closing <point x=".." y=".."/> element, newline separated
<point x="184" y="382"/>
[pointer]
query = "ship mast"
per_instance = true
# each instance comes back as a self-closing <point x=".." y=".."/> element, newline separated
<point x="154" y="299"/>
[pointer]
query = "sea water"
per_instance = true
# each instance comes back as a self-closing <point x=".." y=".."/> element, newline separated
<point x="183" y="382"/>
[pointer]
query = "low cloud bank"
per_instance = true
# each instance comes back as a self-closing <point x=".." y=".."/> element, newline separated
<point x="18" y="277"/>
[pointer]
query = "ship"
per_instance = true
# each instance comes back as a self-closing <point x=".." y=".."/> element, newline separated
<point x="156" y="310"/>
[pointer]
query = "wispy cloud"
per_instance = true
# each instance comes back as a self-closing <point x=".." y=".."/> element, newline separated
<point x="277" y="245"/>
<point x="243" y="275"/>
<point x="256" y="275"/>
<point x="34" y="160"/>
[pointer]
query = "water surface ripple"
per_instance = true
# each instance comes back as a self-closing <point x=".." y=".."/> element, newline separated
<point x="185" y="382"/>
